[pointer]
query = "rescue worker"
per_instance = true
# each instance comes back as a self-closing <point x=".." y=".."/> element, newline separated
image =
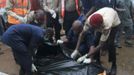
<point x="36" y="17"/>
<point x="72" y="38"/>
<point x="126" y="23"/>
<point x="17" y="7"/>
<point x="24" y="39"/>
<point x="52" y="7"/>
<point x="105" y="22"/>
<point x="69" y="11"/>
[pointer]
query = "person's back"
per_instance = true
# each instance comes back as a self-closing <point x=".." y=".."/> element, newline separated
<point x="23" y="40"/>
<point x="110" y="18"/>
<point x="73" y="37"/>
<point x="25" y="32"/>
<point x="86" y="42"/>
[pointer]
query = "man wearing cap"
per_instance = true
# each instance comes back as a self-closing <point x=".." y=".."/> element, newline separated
<point x="105" y="22"/>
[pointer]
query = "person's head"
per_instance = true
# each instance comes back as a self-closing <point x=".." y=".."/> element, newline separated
<point x="96" y="21"/>
<point x="49" y="33"/>
<point x="40" y="16"/>
<point x="77" y="26"/>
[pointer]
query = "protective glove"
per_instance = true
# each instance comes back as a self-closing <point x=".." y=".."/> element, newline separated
<point x="53" y="13"/>
<point x="75" y="54"/>
<point x="82" y="58"/>
<point x="22" y="20"/>
<point x="61" y="21"/>
<point x="34" y="69"/>
<point x="60" y="42"/>
<point x="87" y="60"/>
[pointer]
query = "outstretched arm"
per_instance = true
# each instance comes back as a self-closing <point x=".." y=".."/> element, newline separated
<point x="79" y="40"/>
<point x="94" y="49"/>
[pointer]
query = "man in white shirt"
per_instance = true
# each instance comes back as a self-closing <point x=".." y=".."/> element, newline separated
<point x="104" y="22"/>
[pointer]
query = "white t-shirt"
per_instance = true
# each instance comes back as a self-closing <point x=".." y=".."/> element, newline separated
<point x="110" y="19"/>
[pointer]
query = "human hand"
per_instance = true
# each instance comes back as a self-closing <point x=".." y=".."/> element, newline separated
<point x="34" y="69"/>
<point x="60" y="42"/>
<point x="82" y="58"/>
<point x="75" y="54"/>
<point x="53" y="13"/>
<point x="87" y="60"/>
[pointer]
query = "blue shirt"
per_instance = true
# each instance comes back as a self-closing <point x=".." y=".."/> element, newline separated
<point x="30" y="35"/>
<point x="88" y="39"/>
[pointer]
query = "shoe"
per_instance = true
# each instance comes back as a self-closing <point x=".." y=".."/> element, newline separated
<point x="118" y="46"/>
<point x="113" y="70"/>
<point x="128" y="43"/>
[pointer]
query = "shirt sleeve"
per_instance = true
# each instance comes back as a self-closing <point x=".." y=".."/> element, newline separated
<point x="112" y="21"/>
<point x="105" y="34"/>
<point x="86" y="26"/>
<point x="116" y="20"/>
<point x="29" y="17"/>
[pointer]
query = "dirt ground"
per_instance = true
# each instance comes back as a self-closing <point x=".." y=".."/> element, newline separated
<point x="125" y="61"/>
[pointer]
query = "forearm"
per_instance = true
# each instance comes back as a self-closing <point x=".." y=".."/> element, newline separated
<point x="94" y="49"/>
<point x="79" y="40"/>
<point x="120" y="9"/>
<point x="9" y="5"/>
<point x="11" y="13"/>
<point x="90" y="12"/>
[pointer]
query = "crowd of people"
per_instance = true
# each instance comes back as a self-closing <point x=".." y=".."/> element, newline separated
<point x="90" y="27"/>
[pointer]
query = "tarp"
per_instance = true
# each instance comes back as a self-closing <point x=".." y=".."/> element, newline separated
<point x="61" y="64"/>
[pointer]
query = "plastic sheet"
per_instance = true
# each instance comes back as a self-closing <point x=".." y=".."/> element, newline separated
<point x="61" y="64"/>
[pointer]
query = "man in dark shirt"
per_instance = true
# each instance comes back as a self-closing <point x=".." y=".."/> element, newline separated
<point x="72" y="38"/>
<point x="24" y="39"/>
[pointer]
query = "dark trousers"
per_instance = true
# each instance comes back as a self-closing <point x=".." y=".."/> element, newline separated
<point x="69" y="18"/>
<point x="20" y="51"/>
<point x="109" y="45"/>
<point x="54" y="23"/>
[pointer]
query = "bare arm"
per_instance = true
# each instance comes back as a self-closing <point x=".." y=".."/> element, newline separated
<point x="79" y="40"/>
<point x="120" y="9"/>
<point x="90" y="11"/>
<point x="94" y="49"/>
